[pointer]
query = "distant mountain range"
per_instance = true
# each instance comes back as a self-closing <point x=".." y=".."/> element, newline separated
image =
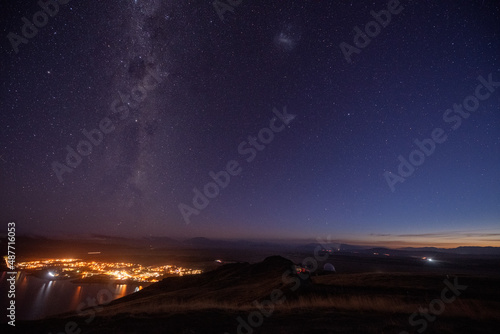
<point x="462" y="250"/>
<point x="206" y="243"/>
<point x="458" y="250"/>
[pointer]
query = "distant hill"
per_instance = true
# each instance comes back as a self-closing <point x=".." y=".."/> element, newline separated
<point x="80" y="245"/>
<point x="217" y="286"/>
<point x="464" y="250"/>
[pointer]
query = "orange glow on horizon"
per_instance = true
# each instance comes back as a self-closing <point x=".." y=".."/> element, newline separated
<point x="438" y="240"/>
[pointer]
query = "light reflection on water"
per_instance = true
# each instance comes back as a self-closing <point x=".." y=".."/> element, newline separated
<point x="121" y="290"/>
<point x="37" y="298"/>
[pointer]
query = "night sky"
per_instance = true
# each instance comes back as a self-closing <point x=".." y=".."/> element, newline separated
<point x="115" y="115"/>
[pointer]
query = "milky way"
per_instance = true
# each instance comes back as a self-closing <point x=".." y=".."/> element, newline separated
<point x="174" y="89"/>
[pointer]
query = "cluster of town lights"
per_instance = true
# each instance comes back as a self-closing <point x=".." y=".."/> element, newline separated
<point x="76" y="268"/>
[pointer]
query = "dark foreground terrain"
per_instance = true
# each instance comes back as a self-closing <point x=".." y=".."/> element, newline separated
<point x="271" y="297"/>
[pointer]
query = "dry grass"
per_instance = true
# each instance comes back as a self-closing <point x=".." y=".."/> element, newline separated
<point x="343" y="303"/>
<point x="384" y="280"/>
<point x="351" y="303"/>
<point x="369" y="294"/>
<point x="472" y="309"/>
<point x="175" y="307"/>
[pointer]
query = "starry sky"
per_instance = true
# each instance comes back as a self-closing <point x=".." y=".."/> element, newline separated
<point x="253" y="119"/>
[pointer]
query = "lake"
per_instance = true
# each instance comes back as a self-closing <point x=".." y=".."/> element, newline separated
<point x="38" y="298"/>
